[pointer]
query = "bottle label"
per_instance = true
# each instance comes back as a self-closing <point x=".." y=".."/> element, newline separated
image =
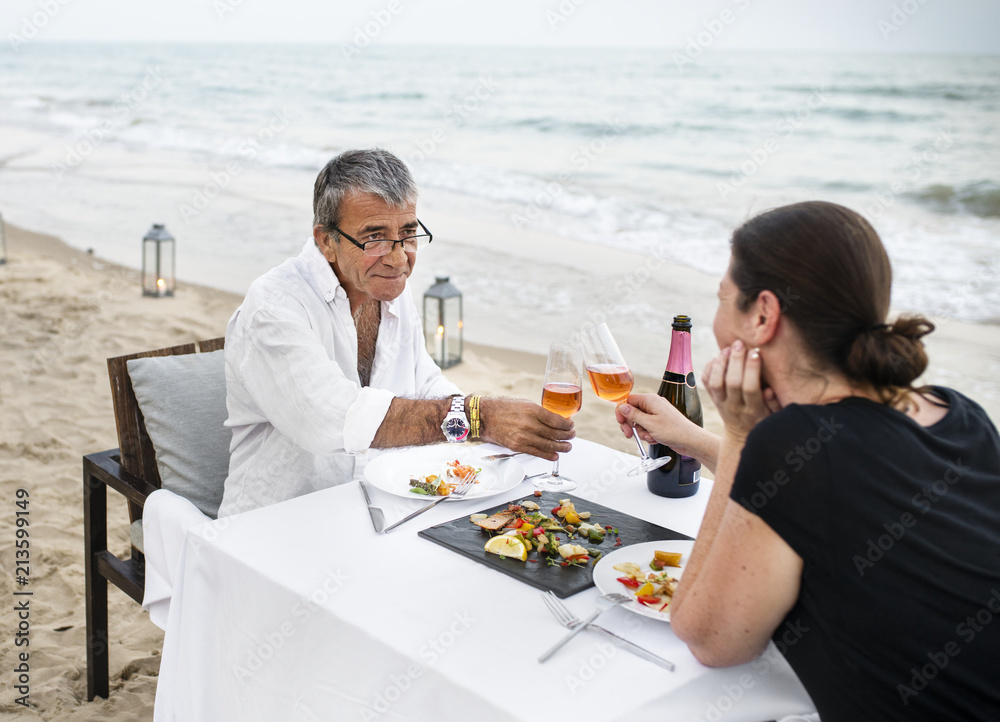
<point x="689" y="380"/>
<point x="673" y="378"/>
<point x="688" y="462"/>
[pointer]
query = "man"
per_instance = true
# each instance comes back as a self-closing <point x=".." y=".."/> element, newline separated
<point x="325" y="358"/>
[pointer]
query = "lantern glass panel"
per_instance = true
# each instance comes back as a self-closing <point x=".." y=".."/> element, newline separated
<point x="443" y="325"/>
<point x="452" y="331"/>
<point x="158" y="267"/>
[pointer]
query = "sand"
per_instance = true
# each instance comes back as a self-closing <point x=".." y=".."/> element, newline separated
<point x="64" y="312"/>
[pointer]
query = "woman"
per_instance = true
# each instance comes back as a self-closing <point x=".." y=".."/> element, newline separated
<point x="854" y="518"/>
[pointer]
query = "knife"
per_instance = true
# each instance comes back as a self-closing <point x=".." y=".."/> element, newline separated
<point x="378" y="518"/>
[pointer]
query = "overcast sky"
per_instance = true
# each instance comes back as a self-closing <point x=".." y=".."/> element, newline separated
<point x="852" y="25"/>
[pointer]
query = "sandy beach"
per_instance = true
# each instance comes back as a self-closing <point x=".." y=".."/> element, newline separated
<point x="65" y="311"/>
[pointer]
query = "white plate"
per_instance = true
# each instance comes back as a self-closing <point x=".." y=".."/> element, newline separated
<point x="391" y="472"/>
<point x="606" y="576"/>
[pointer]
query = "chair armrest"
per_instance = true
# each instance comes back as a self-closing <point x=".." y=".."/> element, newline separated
<point x="104" y="466"/>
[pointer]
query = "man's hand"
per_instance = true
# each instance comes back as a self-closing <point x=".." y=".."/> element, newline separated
<point x="525" y="426"/>
<point x="733" y="381"/>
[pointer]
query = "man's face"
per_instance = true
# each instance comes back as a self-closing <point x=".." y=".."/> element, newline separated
<point x="366" y="217"/>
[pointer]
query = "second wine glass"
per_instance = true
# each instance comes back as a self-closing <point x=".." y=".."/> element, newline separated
<point x="562" y="393"/>
<point x="612" y="380"/>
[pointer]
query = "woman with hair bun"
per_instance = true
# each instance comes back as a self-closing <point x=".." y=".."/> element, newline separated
<point x="854" y="518"/>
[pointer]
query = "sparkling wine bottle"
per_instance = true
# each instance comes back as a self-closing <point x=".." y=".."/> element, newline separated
<point x="680" y="477"/>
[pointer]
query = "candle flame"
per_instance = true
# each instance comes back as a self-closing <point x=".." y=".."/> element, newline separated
<point x="440" y="331"/>
<point x="160" y="283"/>
<point x="460" y="324"/>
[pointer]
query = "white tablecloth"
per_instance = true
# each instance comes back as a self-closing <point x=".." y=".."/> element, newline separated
<point x="300" y="611"/>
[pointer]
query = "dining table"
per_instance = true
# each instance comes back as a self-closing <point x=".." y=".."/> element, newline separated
<point x="301" y="611"/>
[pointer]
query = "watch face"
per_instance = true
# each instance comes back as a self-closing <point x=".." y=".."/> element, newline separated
<point x="456" y="429"/>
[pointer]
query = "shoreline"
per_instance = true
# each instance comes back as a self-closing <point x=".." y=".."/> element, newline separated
<point x="626" y="289"/>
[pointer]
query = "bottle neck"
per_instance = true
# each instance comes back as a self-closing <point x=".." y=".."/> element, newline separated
<point x="679" y="360"/>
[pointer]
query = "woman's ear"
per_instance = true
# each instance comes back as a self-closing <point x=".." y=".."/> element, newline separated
<point x="764" y="315"/>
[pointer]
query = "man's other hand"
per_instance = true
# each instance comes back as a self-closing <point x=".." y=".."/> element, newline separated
<point x="524" y="426"/>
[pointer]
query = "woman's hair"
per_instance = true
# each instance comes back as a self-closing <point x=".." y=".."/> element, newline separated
<point x="829" y="270"/>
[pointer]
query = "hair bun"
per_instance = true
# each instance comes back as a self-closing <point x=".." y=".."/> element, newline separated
<point x="889" y="355"/>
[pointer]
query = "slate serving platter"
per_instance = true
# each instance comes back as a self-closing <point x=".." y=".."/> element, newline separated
<point x="467" y="539"/>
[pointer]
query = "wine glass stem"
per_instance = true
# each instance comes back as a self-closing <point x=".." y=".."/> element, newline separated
<point x="642" y="449"/>
<point x="555" y="466"/>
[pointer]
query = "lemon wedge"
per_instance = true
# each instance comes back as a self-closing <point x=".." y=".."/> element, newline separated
<point x="510" y="547"/>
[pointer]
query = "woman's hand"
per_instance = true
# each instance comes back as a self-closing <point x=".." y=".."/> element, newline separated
<point x="732" y="379"/>
<point x="656" y="420"/>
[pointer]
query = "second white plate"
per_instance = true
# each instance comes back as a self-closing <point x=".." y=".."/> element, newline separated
<point x="606" y="576"/>
<point x="391" y="471"/>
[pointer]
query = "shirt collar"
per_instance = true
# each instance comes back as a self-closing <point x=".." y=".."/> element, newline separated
<point x="320" y="275"/>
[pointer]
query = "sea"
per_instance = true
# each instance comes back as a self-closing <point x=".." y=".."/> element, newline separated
<point x="661" y="152"/>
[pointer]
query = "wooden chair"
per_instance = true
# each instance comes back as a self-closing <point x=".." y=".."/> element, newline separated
<point x="131" y="471"/>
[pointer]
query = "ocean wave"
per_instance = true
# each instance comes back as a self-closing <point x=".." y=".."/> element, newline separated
<point x="548" y="124"/>
<point x="930" y="91"/>
<point x="867" y="116"/>
<point x="980" y="199"/>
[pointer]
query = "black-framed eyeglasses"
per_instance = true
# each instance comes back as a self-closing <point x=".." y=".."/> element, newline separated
<point x="384" y="246"/>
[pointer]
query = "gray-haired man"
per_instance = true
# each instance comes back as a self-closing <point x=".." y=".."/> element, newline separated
<point x="325" y="358"/>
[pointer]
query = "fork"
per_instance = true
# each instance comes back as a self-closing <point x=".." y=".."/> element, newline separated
<point x="615" y="600"/>
<point x="459" y="492"/>
<point x="569" y="620"/>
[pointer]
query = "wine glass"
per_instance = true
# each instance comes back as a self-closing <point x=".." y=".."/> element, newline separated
<point x="562" y="393"/>
<point x="612" y="380"/>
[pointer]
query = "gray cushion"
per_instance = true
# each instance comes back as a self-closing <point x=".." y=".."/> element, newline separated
<point x="183" y="401"/>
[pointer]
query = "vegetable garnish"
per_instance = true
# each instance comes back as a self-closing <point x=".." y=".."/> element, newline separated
<point x="538" y="532"/>
<point x="443" y="484"/>
<point x="653" y="589"/>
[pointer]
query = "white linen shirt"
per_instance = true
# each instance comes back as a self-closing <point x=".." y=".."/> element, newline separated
<point x="298" y="412"/>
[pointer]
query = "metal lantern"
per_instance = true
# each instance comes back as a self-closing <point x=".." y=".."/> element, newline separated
<point x="3" y="241"/>
<point x="158" y="256"/>
<point x="443" y="322"/>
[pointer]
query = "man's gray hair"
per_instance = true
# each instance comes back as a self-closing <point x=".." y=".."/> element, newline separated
<point x="373" y="170"/>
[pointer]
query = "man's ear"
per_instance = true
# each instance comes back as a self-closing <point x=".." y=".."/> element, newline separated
<point x="325" y="242"/>
<point x="765" y="315"/>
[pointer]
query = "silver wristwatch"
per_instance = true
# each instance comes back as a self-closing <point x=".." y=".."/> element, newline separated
<point x="456" y="424"/>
